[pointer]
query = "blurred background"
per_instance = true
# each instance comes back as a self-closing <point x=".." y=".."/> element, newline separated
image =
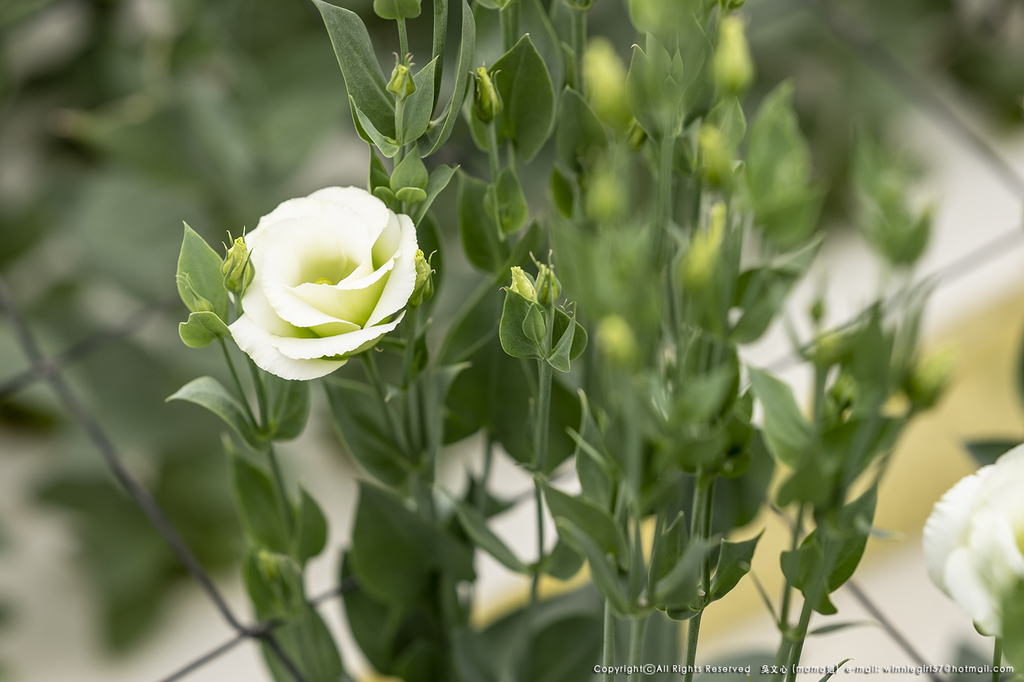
<point x="119" y="119"/>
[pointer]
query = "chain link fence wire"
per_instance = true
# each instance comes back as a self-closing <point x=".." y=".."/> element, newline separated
<point x="49" y="369"/>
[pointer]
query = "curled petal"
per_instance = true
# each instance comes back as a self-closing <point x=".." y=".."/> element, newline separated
<point x="259" y="344"/>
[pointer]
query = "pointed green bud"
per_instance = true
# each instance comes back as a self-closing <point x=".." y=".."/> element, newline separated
<point x="401" y="84"/>
<point x="237" y="268"/>
<point x="717" y="161"/>
<point x="616" y="340"/>
<point x="522" y="285"/>
<point x="928" y="379"/>
<point x="424" y="287"/>
<point x="486" y="102"/>
<point x="734" y="69"/>
<point x="701" y="259"/>
<point x="605" y="76"/>
<point x="548" y="286"/>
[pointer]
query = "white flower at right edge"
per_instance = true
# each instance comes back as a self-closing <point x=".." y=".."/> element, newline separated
<point x="973" y="539"/>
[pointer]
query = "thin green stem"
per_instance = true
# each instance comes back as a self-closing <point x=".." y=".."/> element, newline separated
<point x="373" y="374"/>
<point x="997" y="658"/>
<point x="237" y="381"/>
<point x="818" y="589"/>
<point x="535" y="580"/>
<point x="279" y="487"/>
<point x="700" y="528"/>
<point x="493" y="153"/>
<point x="261" y="393"/>
<point x="608" y="650"/>
<point x="481" y="490"/>
<point x="578" y="32"/>
<point x="403" y="42"/>
<point x="637" y="631"/>
<point x="411" y="397"/>
<point x="787" y="590"/>
<point x="509" y="16"/>
<point x="540" y="448"/>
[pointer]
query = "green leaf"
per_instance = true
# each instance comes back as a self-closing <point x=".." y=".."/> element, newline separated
<point x="378" y="175"/>
<point x="441" y="127"/>
<point x="309" y="644"/>
<point x="209" y="393"/>
<point x="357" y="414"/>
<point x="419" y="106"/>
<point x="515" y="316"/>
<point x="312" y="528"/>
<point x="259" y="508"/>
<point x="1013" y="625"/>
<point x="563" y="191"/>
<point x="572" y="340"/>
<point x="563" y="562"/>
<point x="506" y="204"/>
<point x="387" y="144"/>
<point x="480" y="240"/>
<point x="733" y="563"/>
<point x="438" y="180"/>
<point x="602" y="570"/>
<point x="394" y="551"/>
<point x="669" y="549"/>
<point x="590" y="519"/>
<point x="987" y="452"/>
<point x="397" y="9"/>
<point x="201" y="329"/>
<point x="366" y="85"/>
<point x="440" y="38"/>
<point x="522" y="79"/>
<point x="680" y="588"/>
<point x="274" y="583"/>
<point x="787" y="431"/>
<point x="475" y="525"/>
<point x="410" y="172"/>
<point x="289" y="406"/>
<point x="200" y="282"/>
<point x="579" y="133"/>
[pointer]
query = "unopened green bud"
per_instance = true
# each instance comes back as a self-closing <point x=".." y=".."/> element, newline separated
<point x="237" y="268"/>
<point x="829" y="349"/>
<point x="734" y="69"/>
<point x="928" y="379"/>
<point x="843" y="393"/>
<point x="424" y="287"/>
<point x="522" y="285"/>
<point x="701" y="259"/>
<point x="548" y="286"/>
<point x="717" y="160"/>
<point x="616" y="340"/>
<point x="401" y="84"/>
<point x="604" y="74"/>
<point x="486" y="102"/>
<point x="606" y="197"/>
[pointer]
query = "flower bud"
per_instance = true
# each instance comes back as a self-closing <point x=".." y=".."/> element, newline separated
<point x="606" y="197"/>
<point x="717" y="160"/>
<point x="424" y="287"/>
<point x="548" y="286"/>
<point x="928" y="379"/>
<point x="734" y="69"/>
<point x="486" y="103"/>
<point x="829" y="349"/>
<point x="616" y="340"/>
<point x="237" y="268"/>
<point x="522" y="285"/>
<point x="401" y="84"/>
<point x="701" y="259"/>
<point x="605" y="77"/>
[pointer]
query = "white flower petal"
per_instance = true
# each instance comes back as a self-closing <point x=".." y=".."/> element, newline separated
<point x="403" y="278"/>
<point x="347" y="300"/>
<point x="259" y="345"/>
<point x="329" y="346"/>
<point x="970" y="592"/>
<point x="948" y="525"/>
<point x="370" y="208"/>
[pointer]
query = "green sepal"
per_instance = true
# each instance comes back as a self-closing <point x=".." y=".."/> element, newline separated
<point x="516" y="313"/>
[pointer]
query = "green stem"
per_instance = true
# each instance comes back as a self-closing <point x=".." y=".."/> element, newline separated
<point x="412" y="413"/>
<point x="279" y="487"/>
<point x="828" y="558"/>
<point x="237" y="381"/>
<point x="608" y="650"/>
<point x="261" y="393"/>
<point x="540" y="448"/>
<point x="785" y="643"/>
<point x="493" y="154"/>
<point x="535" y="580"/>
<point x="481" y="490"/>
<point x="637" y="630"/>
<point x="403" y="42"/>
<point x="399" y="116"/>
<point x="700" y="527"/>
<point x="997" y="658"/>
<point x="373" y="374"/>
<point x="509" y="16"/>
<point x="578" y="31"/>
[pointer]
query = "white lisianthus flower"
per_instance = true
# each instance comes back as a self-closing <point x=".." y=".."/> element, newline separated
<point x="973" y="539"/>
<point x="332" y="272"/>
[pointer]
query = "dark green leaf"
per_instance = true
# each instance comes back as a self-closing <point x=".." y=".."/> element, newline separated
<point x="208" y="392"/>
<point x="387" y="144"/>
<point x="438" y="180"/>
<point x="357" y="414"/>
<point x="312" y="528"/>
<point x="506" y="204"/>
<point x="258" y="505"/>
<point x="480" y="240"/>
<point x="733" y="563"/>
<point x="441" y="127"/>
<point x="410" y="172"/>
<point x="200" y="282"/>
<point x="602" y="568"/>
<point x="580" y="133"/>
<point x="419" y="106"/>
<point x="440" y="38"/>
<point x="475" y="525"/>
<point x="563" y="562"/>
<point x="786" y="430"/>
<point x="571" y="340"/>
<point x="366" y="85"/>
<point x="289" y="405"/>
<point x="680" y="588"/>
<point x="512" y="330"/>
<point x="309" y="644"/>
<point x="201" y="329"/>
<point x="527" y="95"/>
<point x="590" y="519"/>
<point x="987" y="452"/>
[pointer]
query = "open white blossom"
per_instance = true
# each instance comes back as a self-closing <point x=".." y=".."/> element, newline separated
<point x="332" y="273"/>
<point x="973" y="538"/>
